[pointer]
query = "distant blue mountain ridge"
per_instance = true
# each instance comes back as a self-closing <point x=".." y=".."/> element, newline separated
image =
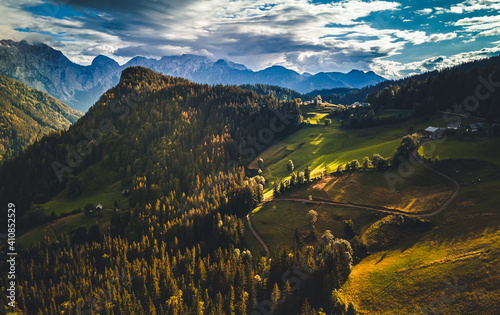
<point x="44" y="68"/>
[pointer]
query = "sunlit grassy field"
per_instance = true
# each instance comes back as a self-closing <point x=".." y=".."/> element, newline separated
<point x="325" y="147"/>
<point x="468" y="148"/>
<point x="420" y="191"/>
<point x="463" y="249"/>
<point x="450" y="269"/>
<point x="412" y="276"/>
<point x="100" y="186"/>
<point x="321" y="146"/>
<point x="277" y="222"/>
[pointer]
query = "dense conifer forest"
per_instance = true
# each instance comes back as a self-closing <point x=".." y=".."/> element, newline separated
<point x="177" y="248"/>
<point x="471" y="89"/>
<point x="27" y="115"/>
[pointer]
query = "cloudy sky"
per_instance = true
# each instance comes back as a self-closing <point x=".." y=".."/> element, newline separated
<point x="392" y="38"/>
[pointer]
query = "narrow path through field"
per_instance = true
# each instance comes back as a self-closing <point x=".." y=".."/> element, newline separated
<point x="365" y="207"/>
<point x="257" y="236"/>
<point x="447" y="202"/>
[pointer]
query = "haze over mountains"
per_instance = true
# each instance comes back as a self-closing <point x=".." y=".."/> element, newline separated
<point x="46" y="69"/>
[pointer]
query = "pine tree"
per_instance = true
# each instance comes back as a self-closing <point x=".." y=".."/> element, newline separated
<point x="307" y="309"/>
<point x="275" y="296"/>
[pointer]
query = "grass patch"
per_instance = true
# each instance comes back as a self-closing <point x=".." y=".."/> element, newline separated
<point x="321" y="146"/>
<point x="409" y="278"/>
<point x="65" y="225"/>
<point x="385" y="113"/>
<point x="466" y="148"/>
<point x="277" y="222"/>
<point x="63" y="204"/>
<point x="100" y="186"/>
<point x="422" y="191"/>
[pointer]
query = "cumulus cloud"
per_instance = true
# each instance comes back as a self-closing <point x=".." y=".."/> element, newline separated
<point x="426" y="11"/>
<point x="474" y="5"/>
<point x="397" y="69"/>
<point x="481" y="26"/>
<point x="439" y="37"/>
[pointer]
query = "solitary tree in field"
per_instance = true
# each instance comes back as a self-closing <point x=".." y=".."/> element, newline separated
<point x="375" y="159"/>
<point x="290" y="166"/>
<point x="349" y="229"/>
<point x="276" y="189"/>
<point x="261" y="164"/>
<point x="408" y="145"/>
<point x="307" y="174"/>
<point x="366" y="163"/>
<point x="347" y="166"/>
<point x="340" y="169"/>
<point x="379" y="161"/>
<point x="327" y="238"/>
<point x="355" y="165"/>
<point x="300" y="178"/>
<point x="312" y="218"/>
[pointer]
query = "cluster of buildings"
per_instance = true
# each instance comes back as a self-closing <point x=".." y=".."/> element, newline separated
<point x="358" y="104"/>
<point x="438" y="133"/>
<point x="319" y="101"/>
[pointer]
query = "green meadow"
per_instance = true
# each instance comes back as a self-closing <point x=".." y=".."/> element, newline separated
<point x="451" y="268"/>
<point x="65" y="225"/>
<point x="99" y="186"/>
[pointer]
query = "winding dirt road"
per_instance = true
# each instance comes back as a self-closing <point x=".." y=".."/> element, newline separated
<point x="257" y="236"/>
<point x="365" y="207"/>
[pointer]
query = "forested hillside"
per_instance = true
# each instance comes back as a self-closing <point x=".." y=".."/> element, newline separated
<point x="469" y="89"/>
<point x="177" y="247"/>
<point x="162" y="134"/>
<point x="278" y="92"/>
<point x="346" y="96"/>
<point x="26" y="115"/>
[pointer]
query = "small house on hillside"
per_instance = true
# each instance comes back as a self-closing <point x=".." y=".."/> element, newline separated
<point x="98" y="209"/>
<point x="434" y="132"/>
<point x="454" y="125"/>
<point x="472" y="128"/>
<point x="476" y="127"/>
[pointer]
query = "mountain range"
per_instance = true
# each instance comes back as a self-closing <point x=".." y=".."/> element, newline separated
<point x="26" y="115"/>
<point x="46" y="69"/>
